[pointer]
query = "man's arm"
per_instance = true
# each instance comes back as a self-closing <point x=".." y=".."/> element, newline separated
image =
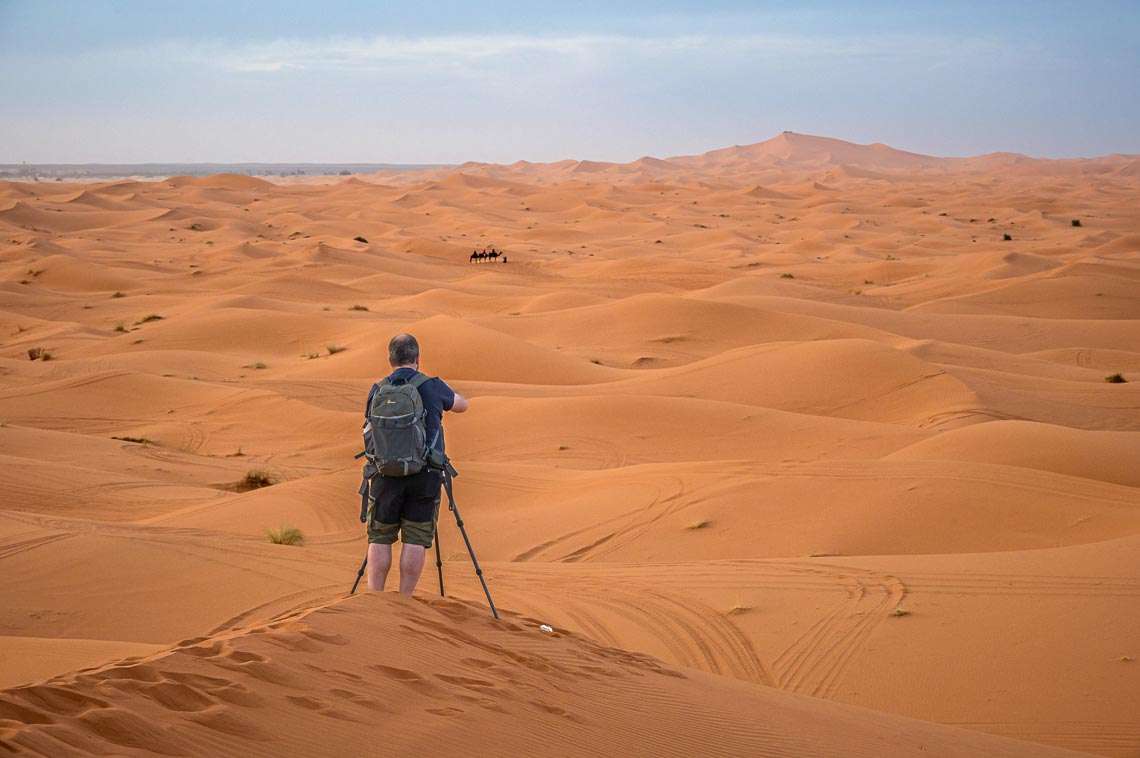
<point x="460" y="404"/>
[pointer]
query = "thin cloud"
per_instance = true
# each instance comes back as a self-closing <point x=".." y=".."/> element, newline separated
<point x="473" y="51"/>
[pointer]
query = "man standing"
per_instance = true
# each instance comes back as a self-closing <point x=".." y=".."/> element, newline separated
<point x="408" y="505"/>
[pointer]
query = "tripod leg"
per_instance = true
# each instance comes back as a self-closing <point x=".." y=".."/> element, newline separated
<point x="359" y="574"/>
<point x="438" y="561"/>
<point x="471" y="551"/>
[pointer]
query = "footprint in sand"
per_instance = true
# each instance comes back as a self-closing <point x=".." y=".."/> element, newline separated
<point x="445" y="711"/>
<point x="57" y="700"/>
<point x="176" y="697"/>
<point x="412" y="679"/>
<point x="222" y="719"/>
<point x="317" y="705"/>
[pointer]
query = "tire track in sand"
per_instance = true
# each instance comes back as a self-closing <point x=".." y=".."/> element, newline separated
<point x="816" y="662"/>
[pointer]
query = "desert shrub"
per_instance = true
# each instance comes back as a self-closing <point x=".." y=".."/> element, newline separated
<point x="285" y="535"/>
<point x="255" y="479"/>
<point x="35" y="353"/>
<point x="1076" y="222"/>
<point x="787" y="276"/>
<point x="136" y="440"/>
<point x="118" y="295"/>
<point x="120" y="327"/>
<point x="1116" y="378"/>
<point x="360" y="239"/>
<point x="698" y="524"/>
<point x="1006" y="238"/>
<point x="359" y="308"/>
<point x="148" y="319"/>
<point x="334" y="349"/>
<point x="899" y="612"/>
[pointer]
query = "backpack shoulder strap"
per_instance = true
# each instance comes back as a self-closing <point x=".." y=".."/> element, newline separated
<point x="372" y="394"/>
<point x="419" y="379"/>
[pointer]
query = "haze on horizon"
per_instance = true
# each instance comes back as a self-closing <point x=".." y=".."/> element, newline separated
<point x="133" y="82"/>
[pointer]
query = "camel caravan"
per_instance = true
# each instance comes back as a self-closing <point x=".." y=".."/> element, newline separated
<point x="484" y="256"/>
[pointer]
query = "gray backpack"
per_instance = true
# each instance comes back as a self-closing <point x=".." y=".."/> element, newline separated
<point x="395" y="437"/>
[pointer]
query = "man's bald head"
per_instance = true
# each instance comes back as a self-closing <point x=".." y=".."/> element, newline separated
<point x="403" y="350"/>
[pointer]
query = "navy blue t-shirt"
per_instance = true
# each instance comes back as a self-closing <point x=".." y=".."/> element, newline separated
<point x="437" y="397"/>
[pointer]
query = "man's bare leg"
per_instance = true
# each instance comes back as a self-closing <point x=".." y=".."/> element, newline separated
<point x="379" y="561"/>
<point x="411" y="566"/>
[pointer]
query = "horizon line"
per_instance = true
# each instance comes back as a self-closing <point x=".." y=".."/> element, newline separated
<point x="383" y="165"/>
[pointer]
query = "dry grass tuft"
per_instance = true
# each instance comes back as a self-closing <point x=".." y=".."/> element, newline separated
<point x="254" y="479"/>
<point x="136" y="440"/>
<point x="285" y="535"/>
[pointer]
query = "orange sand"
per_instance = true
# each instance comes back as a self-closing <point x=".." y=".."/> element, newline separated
<point x="792" y="414"/>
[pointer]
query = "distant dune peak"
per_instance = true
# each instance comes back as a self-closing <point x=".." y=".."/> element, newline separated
<point x="788" y="152"/>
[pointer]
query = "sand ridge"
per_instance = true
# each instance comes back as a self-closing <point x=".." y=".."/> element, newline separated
<point x="226" y="692"/>
<point x="792" y="419"/>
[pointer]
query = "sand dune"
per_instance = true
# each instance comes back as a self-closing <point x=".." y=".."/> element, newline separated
<point x="844" y="378"/>
<point x="782" y="420"/>
<point x="519" y="690"/>
<point x="1105" y="456"/>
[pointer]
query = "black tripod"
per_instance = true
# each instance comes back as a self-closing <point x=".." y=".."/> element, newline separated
<point x="449" y="473"/>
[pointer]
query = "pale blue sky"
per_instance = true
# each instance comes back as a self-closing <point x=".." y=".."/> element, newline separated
<point x="445" y="82"/>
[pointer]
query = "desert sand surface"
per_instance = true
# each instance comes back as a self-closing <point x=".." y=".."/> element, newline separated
<point x="792" y="448"/>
